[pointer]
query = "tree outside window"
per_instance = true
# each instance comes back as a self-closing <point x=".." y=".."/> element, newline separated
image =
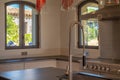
<point x="21" y="25"/>
<point x="90" y="25"/>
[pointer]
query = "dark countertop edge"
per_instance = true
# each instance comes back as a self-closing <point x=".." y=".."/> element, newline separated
<point x="28" y="59"/>
<point x="97" y="75"/>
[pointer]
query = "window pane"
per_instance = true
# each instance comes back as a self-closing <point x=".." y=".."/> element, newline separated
<point x="12" y="25"/>
<point x="89" y="8"/>
<point x="91" y="32"/>
<point x="90" y="26"/>
<point x="29" y="26"/>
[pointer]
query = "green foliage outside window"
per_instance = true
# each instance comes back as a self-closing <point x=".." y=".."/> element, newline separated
<point x="91" y="29"/>
<point x="28" y="39"/>
<point x="12" y="30"/>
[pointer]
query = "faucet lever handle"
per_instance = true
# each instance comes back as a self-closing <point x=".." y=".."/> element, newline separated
<point x="67" y="70"/>
<point x="86" y="53"/>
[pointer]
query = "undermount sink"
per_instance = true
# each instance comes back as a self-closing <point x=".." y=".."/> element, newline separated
<point x="2" y="78"/>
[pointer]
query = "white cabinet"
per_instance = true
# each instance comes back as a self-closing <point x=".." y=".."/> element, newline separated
<point x="63" y="64"/>
<point x="40" y="64"/>
<point x="11" y="66"/>
<point x="27" y="65"/>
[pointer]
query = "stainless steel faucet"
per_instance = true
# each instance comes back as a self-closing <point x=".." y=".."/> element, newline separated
<point x="70" y="55"/>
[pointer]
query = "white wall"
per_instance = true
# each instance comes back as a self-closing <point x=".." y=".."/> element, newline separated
<point x="110" y="42"/>
<point x="54" y="30"/>
<point x="49" y="32"/>
<point x="68" y="17"/>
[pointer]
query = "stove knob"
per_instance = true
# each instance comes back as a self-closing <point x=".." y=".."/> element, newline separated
<point x="95" y="67"/>
<point x="107" y="69"/>
<point x="118" y="71"/>
<point x="91" y="67"/>
<point x="99" y="68"/>
<point x="103" y="68"/>
<point x="87" y="66"/>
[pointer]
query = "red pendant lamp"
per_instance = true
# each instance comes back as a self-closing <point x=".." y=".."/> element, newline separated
<point x="66" y="3"/>
<point x="39" y="4"/>
<point x="117" y="1"/>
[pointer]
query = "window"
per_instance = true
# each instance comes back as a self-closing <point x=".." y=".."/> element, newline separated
<point x="21" y="25"/>
<point x="90" y="25"/>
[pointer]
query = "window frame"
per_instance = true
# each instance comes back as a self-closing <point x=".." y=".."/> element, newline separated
<point x="79" y="30"/>
<point x="21" y="23"/>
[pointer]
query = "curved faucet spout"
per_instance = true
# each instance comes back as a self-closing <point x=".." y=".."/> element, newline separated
<point x="83" y="42"/>
<point x="83" y="36"/>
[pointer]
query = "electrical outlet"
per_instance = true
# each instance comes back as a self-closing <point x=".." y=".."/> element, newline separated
<point x="24" y="53"/>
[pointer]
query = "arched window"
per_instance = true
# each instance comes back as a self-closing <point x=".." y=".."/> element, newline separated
<point x="22" y="25"/>
<point x="90" y="25"/>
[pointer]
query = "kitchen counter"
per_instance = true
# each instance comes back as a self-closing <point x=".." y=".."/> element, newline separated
<point x="48" y="74"/>
<point x="60" y="57"/>
<point x="34" y="74"/>
<point x="27" y="59"/>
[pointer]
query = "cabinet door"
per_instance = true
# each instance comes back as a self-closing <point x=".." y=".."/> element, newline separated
<point x="11" y="66"/>
<point x="40" y="64"/>
<point x="64" y="64"/>
<point x="27" y="65"/>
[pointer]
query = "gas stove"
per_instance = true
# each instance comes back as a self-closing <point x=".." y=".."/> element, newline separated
<point x="106" y="68"/>
<point x="103" y="67"/>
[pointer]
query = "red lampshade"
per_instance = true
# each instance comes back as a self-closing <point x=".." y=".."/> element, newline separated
<point x="39" y="4"/>
<point x="66" y="3"/>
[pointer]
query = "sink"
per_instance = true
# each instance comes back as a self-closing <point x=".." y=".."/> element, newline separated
<point x="2" y="78"/>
